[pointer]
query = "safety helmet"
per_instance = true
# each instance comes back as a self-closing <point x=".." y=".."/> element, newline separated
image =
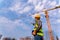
<point x="37" y="15"/>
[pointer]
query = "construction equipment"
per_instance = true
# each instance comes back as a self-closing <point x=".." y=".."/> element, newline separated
<point x="48" y="22"/>
<point x="49" y="26"/>
<point x="50" y="9"/>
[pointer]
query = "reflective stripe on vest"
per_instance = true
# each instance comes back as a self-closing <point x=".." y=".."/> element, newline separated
<point x="40" y="33"/>
<point x="36" y="26"/>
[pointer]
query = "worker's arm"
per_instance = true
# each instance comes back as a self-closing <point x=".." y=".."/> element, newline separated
<point x="39" y="25"/>
<point x="36" y="29"/>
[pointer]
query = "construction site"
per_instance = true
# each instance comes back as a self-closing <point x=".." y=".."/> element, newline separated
<point x="30" y="20"/>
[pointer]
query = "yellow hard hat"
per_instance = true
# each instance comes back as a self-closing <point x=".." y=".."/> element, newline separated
<point x="37" y="15"/>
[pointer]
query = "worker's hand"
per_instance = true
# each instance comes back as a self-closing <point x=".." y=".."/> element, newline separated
<point x="34" y="33"/>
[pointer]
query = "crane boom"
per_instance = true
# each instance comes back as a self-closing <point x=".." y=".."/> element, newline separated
<point x="50" y="9"/>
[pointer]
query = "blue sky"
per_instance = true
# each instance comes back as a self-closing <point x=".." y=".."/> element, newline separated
<point x="15" y="16"/>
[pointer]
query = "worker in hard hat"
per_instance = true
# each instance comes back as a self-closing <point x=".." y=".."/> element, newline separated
<point x="37" y="31"/>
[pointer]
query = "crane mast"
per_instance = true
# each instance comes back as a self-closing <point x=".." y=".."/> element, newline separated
<point x="49" y="26"/>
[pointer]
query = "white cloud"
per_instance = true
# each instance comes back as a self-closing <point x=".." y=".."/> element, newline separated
<point x="44" y="1"/>
<point x="53" y="3"/>
<point x="59" y="11"/>
<point x="49" y="2"/>
<point x="15" y="7"/>
<point x="55" y="21"/>
<point x="26" y="9"/>
<point x="52" y="14"/>
<point x="58" y="20"/>
<point x="4" y="10"/>
<point x="34" y="2"/>
<point x="9" y="25"/>
<point x="19" y="8"/>
<point x="22" y="24"/>
<point x="39" y="7"/>
<point x="59" y="2"/>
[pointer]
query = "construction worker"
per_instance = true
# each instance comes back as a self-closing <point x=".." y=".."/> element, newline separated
<point x="37" y="31"/>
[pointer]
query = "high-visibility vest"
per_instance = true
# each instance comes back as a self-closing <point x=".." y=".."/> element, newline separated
<point x="40" y="32"/>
